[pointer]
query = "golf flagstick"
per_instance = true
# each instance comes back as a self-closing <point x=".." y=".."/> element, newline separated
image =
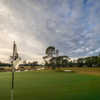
<point x="15" y="60"/>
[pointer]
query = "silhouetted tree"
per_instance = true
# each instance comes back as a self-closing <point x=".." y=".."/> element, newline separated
<point x="50" y="51"/>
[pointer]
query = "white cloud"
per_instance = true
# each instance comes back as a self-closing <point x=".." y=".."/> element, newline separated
<point x="70" y="26"/>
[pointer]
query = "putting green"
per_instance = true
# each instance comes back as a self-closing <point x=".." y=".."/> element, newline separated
<point x="50" y="86"/>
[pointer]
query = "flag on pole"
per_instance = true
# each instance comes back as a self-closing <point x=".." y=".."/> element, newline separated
<point x="15" y="61"/>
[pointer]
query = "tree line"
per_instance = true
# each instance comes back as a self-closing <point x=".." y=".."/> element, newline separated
<point x="52" y="59"/>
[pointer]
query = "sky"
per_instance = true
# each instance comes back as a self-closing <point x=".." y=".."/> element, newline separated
<point x="72" y="26"/>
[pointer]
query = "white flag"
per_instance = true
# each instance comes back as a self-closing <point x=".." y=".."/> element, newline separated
<point x="16" y="58"/>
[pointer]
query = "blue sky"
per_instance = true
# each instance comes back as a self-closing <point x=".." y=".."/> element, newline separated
<point x="72" y="26"/>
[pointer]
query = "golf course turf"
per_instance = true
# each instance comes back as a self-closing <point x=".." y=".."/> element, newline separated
<point x="50" y="86"/>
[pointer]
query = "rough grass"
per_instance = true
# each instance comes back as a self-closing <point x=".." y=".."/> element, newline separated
<point x="50" y="85"/>
<point x="84" y="70"/>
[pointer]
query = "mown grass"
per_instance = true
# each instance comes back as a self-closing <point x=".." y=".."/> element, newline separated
<point x="50" y="85"/>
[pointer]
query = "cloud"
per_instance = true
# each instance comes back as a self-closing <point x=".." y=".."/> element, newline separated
<point x="71" y="26"/>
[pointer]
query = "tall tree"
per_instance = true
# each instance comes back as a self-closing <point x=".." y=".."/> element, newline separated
<point x="50" y="51"/>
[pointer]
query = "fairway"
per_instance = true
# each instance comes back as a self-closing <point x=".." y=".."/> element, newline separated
<point x="50" y="86"/>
